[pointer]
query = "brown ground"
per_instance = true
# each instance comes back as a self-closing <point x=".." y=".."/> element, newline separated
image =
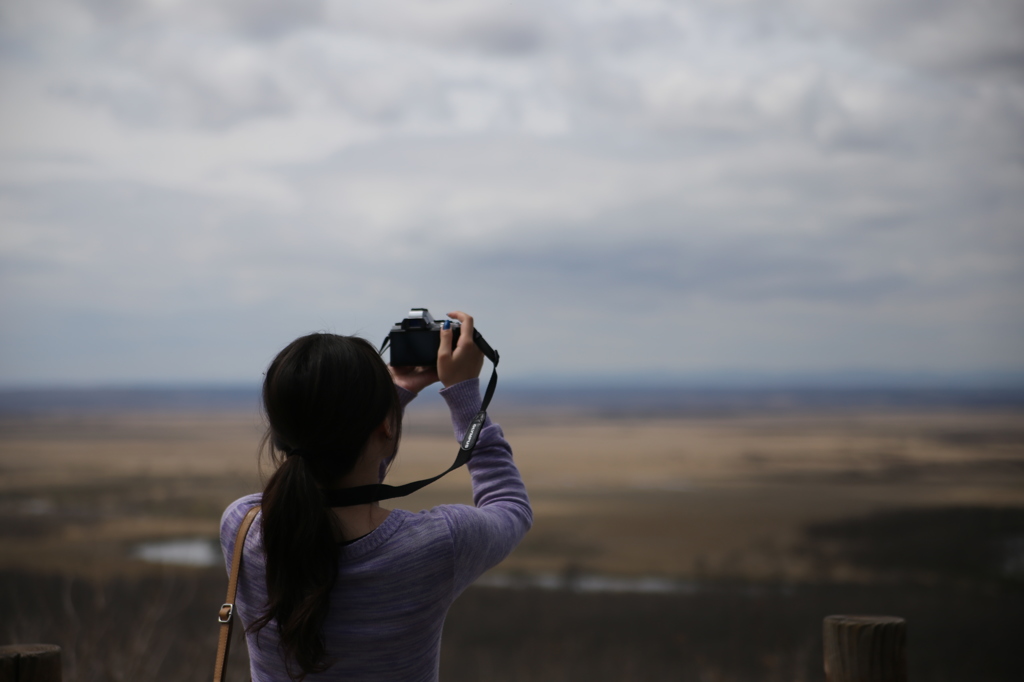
<point x="685" y="498"/>
<point x="780" y="520"/>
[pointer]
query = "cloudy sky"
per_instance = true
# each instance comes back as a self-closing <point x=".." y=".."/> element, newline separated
<point x="646" y="188"/>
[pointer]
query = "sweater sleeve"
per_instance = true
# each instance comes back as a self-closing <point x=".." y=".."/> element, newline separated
<point x="405" y="396"/>
<point x="485" y="534"/>
<point x="230" y="520"/>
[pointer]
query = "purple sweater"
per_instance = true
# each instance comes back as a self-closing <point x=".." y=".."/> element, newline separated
<point x="395" y="585"/>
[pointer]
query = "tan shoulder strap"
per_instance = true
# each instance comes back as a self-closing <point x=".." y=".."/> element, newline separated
<point x="226" y="617"/>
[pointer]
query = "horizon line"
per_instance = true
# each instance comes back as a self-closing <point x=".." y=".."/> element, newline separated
<point x="712" y="380"/>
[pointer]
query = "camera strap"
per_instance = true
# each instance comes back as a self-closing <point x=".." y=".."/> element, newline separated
<point x="363" y="494"/>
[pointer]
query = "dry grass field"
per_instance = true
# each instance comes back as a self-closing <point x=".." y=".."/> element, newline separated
<point x="745" y="527"/>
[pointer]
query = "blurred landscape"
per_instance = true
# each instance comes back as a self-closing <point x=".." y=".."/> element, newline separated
<point x="755" y="270"/>
<point x="679" y="534"/>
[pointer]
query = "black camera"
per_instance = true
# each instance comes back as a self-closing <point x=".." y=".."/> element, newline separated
<point x="414" y="341"/>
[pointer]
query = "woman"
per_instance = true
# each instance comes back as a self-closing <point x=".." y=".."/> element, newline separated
<point x="360" y="593"/>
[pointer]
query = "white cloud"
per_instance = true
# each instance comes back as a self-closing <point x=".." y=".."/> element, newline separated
<point x="825" y="185"/>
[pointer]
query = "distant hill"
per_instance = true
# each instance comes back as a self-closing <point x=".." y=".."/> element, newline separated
<point x="132" y="399"/>
<point x="601" y="400"/>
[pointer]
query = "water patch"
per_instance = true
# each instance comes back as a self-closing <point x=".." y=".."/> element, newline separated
<point x="589" y="583"/>
<point x="1013" y="557"/>
<point x="37" y="506"/>
<point x="182" y="552"/>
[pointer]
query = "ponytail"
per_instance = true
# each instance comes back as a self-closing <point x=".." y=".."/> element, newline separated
<point x="323" y="396"/>
<point x="302" y="563"/>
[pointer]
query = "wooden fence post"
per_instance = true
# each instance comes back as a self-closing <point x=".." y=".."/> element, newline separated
<point x="30" y="663"/>
<point x="865" y="649"/>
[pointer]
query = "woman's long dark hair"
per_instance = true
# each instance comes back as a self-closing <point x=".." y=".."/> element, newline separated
<point x="323" y="395"/>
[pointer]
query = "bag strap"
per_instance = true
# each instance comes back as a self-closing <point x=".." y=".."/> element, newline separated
<point x="226" y="616"/>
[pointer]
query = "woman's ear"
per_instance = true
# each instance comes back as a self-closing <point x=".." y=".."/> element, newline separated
<point x="385" y="429"/>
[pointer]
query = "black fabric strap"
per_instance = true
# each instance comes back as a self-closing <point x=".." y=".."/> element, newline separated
<point x="364" y="494"/>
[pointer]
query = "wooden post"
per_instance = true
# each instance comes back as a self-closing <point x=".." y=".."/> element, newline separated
<point x="865" y="649"/>
<point x="30" y="663"/>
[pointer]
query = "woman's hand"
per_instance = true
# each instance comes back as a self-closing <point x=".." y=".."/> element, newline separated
<point x="414" y="379"/>
<point x="466" y="360"/>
